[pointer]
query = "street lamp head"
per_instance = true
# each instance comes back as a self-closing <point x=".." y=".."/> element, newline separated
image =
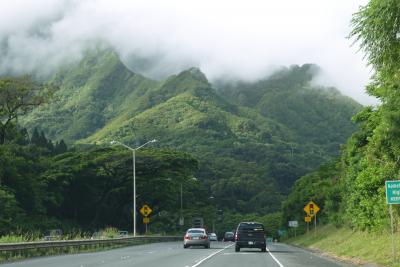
<point x="113" y="142"/>
<point x="153" y="141"/>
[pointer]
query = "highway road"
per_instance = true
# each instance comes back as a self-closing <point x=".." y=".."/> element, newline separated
<point x="172" y="254"/>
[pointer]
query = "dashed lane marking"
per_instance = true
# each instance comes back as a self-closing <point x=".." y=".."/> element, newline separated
<point x="211" y="255"/>
<point x="236" y="253"/>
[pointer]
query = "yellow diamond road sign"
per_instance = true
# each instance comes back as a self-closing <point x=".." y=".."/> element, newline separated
<point x="145" y="210"/>
<point x="311" y="209"/>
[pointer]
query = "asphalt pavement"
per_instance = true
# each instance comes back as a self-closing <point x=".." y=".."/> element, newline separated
<point x="172" y="254"/>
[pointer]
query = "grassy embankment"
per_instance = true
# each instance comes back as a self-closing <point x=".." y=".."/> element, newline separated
<point x="355" y="246"/>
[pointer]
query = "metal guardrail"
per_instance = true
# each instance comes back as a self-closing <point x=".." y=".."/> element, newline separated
<point x="72" y="243"/>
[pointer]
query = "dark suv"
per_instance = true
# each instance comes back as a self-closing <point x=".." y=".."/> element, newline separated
<point x="229" y="236"/>
<point x="250" y="235"/>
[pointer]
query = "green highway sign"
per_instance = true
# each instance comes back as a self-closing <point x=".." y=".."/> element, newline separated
<point x="392" y="192"/>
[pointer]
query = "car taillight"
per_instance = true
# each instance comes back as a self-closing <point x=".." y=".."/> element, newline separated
<point x="186" y="237"/>
<point x="204" y="237"/>
<point x="236" y="237"/>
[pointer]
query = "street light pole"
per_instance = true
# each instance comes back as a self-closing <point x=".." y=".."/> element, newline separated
<point x="134" y="175"/>
<point x="181" y="198"/>
<point x="181" y="218"/>
<point x="134" y="190"/>
<point x="213" y="222"/>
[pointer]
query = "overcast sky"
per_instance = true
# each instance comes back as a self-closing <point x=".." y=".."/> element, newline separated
<point x="235" y="39"/>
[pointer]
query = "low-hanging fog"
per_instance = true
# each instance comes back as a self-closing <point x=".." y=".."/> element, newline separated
<point x="225" y="39"/>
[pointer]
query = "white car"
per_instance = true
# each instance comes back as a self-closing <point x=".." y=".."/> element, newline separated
<point x="196" y="237"/>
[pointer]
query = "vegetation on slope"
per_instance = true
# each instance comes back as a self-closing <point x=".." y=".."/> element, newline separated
<point x="249" y="154"/>
<point x="90" y="95"/>
<point x="249" y="143"/>
<point x="314" y="114"/>
<point x="352" y="191"/>
<point x="348" y="245"/>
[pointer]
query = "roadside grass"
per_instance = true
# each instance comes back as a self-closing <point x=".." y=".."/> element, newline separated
<point x="11" y="256"/>
<point x="107" y="233"/>
<point x="20" y="238"/>
<point x="354" y="246"/>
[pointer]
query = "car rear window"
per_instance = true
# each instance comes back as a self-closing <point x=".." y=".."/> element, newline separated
<point x="196" y="231"/>
<point x="251" y="227"/>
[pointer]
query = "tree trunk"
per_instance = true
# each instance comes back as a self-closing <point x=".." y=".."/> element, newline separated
<point x="2" y="134"/>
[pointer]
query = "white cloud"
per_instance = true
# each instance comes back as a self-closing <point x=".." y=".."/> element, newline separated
<point x="240" y="39"/>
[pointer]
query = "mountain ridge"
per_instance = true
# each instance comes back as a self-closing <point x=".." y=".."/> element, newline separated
<point x="250" y="154"/>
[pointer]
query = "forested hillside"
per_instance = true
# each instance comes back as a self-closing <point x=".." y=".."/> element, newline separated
<point x="312" y="113"/>
<point x="351" y="190"/>
<point x="46" y="185"/>
<point x="252" y="141"/>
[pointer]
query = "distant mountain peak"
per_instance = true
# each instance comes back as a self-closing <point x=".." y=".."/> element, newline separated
<point x="311" y="68"/>
<point x="195" y="73"/>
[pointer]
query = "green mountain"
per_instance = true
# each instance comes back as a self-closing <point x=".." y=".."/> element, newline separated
<point x="252" y="140"/>
<point x="90" y="95"/>
<point x="315" y="115"/>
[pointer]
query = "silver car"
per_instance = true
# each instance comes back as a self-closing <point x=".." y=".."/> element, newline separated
<point x="213" y="237"/>
<point x="196" y="237"/>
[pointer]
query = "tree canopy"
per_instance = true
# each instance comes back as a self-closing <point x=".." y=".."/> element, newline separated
<point x="354" y="189"/>
<point x="19" y="95"/>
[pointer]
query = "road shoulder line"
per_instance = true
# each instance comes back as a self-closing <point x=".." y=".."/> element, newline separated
<point x="274" y="258"/>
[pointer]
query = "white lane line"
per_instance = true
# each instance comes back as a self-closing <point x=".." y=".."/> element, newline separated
<point x="235" y="253"/>
<point x="211" y="255"/>
<point x="274" y="258"/>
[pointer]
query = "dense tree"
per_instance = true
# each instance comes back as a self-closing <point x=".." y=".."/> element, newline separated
<point x="372" y="154"/>
<point x="322" y="187"/>
<point x="35" y="139"/>
<point x="92" y="188"/>
<point x="19" y="95"/>
<point x="60" y="147"/>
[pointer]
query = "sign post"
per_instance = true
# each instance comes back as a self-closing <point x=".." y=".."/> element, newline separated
<point x="392" y="198"/>
<point x="392" y="228"/>
<point x="312" y="209"/>
<point x="294" y="224"/>
<point x="146" y="211"/>
<point x="307" y="219"/>
<point x="315" y="225"/>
